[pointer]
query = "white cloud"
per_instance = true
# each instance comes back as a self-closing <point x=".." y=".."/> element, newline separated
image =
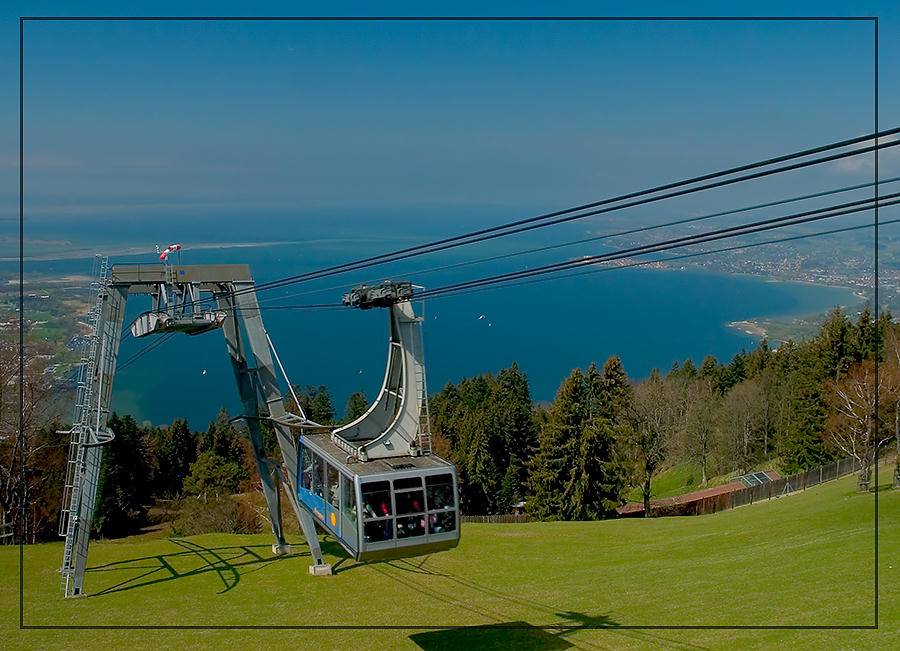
<point x="866" y="161"/>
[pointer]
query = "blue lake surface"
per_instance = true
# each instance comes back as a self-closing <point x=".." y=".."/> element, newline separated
<point x="649" y="317"/>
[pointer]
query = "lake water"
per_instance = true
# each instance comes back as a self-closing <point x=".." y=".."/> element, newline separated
<point x="648" y="317"/>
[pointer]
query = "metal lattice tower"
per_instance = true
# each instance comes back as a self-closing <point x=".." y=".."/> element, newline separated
<point x="86" y="437"/>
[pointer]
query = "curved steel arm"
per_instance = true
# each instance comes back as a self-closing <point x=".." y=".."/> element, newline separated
<point x="390" y="425"/>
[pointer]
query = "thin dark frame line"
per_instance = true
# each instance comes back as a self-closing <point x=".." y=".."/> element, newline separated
<point x="22" y="20"/>
<point x="21" y="431"/>
<point x="463" y="18"/>
<point x="451" y="627"/>
<point x="876" y="308"/>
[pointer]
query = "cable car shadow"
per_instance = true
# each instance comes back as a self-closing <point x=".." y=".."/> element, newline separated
<point x="521" y="635"/>
<point x="229" y="563"/>
<point x="512" y="634"/>
<point x="518" y="635"/>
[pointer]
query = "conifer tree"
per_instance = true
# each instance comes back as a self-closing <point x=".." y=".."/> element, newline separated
<point x="575" y="473"/>
<point x="489" y="426"/>
<point x="714" y="371"/>
<point x="175" y="449"/>
<point x="758" y="359"/>
<point x="835" y="345"/>
<point x="615" y="395"/>
<point x="865" y="336"/>
<point x="553" y="466"/>
<point x="315" y="402"/>
<point x="596" y="486"/>
<point x="800" y="444"/>
<point x="222" y="439"/>
<point x="357" y="404"/>
<point x="123" y="490"/>
<point x="517" y="425"/>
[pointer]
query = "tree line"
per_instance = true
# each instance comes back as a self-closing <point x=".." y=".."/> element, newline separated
<point x="189" y="476"/>
<point x="798" y="406"/>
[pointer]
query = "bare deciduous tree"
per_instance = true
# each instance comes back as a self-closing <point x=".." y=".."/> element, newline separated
<point x="851" y="427"/>
<point x="742" y="422"/>
<point x="697" y="432"/>
<point x="36" y="414"/>
<point x="653" y="421"/>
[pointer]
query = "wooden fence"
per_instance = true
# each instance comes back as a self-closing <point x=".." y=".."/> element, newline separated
<point x="496" y="519"/>
<point x="775" y="488"/>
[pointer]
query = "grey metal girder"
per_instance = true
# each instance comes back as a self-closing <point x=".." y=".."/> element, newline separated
<point x="388" y="427"/>
<point x="233" y="288"/>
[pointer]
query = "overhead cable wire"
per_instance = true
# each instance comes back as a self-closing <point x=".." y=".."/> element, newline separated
<point x="734" y="231"/>
<point x="267" y="305"/>
<point x="450" y="243"/>
<point x="526" y="277"/>
<point x="736" y="247"/>
<point x="566" y="215"/>
<point x="799" y="218"/>
<point x="146" y="349"/>
<point x="550" y="247"/>
<point x="633" y="231"/>
<point x="641" y="263"/>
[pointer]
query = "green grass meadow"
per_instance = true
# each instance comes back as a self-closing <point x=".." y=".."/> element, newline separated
<point x="802" y="560"/>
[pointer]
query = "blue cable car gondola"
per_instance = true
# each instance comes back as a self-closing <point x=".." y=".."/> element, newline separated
<point x="382" y="508"/>
<point x="373" y="483"/>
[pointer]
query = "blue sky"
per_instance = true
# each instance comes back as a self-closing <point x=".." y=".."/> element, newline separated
<point x="455" y="123"/>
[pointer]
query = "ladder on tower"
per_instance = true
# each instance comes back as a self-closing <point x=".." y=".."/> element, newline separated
<point x="83" y="466"/>
<point x="424" y="434"/>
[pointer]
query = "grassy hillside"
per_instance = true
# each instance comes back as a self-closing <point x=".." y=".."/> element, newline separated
<point x="686" y="476"/>
<point x="805" y="559"/>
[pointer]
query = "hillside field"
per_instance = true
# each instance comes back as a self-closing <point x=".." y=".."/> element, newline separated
<point x="805" y="559"/>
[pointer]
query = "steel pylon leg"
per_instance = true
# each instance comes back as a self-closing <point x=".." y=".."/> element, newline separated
<point x="250" y="403"/>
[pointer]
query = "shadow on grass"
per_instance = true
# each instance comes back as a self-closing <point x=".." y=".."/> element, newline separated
<point x="229" y="563"/>
<point x="507" y="635"/>
<point x="521" y="636"/>
<point x="528" y="637"/>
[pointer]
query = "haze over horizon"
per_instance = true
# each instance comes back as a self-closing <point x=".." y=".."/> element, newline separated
<point x="278" y="127"/>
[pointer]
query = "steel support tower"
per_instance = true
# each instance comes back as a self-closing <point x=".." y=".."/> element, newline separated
<point x="232" y="288"/>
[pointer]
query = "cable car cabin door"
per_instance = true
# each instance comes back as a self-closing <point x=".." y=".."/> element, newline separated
<point x="320" y="491"/>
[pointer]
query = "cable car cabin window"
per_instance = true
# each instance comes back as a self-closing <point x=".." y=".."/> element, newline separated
<point x="410" y="500"/>
<point x="377" y="511"/>
<point x="376" y="497"/>
<point x="407" y="482"/>
<point x="318" y="476"/>
<point x="441" y="522"/>
<point x="439" y="489"/>
<point x="439" y="492"/>
<point x="348" y="503"/>
<point x="306" y="464"/>
<point x="411" y="526"/>
<point x="333" y="487"/>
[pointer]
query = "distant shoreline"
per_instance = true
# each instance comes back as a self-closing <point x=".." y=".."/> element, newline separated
<point x="80" y="254"/>
<point x="749" y="327"/>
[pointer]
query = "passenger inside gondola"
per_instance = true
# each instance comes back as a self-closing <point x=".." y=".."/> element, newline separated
<point x="441" y="522"/>
<point x="439" y="489"/>
<point x="378" y="524"/>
